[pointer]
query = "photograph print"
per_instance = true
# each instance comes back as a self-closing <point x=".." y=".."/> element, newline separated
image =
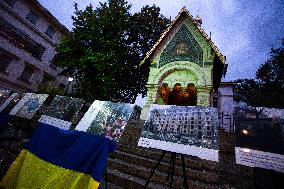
<point x="28" y="105"/>
<point x="64" y="108"/>
<point x="10" y="102"/>
<point x="182" y="129"/>
<point x="4" y="95"/>
<point x="106" y="119"/>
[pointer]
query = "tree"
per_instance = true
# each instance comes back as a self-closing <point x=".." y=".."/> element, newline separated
<point x="146" y="28"/>
<point x="50" y="89"/>
<point x="102" y="52"/>
<point x="251" y="88"/>
<point x="268" y="87"/>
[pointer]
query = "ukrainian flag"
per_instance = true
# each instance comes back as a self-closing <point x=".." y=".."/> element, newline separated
<point x="56" y="158"/>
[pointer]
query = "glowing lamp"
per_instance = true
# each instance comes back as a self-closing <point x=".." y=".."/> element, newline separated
<point x="245" y="132"/>
<point x="70" y="79"/>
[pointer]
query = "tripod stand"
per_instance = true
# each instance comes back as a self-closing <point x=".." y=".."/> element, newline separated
<point x="171" y="171"/>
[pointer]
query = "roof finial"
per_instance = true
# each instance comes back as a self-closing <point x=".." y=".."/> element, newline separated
<point x="184" y="8"/>
<point x="198" y="20"/>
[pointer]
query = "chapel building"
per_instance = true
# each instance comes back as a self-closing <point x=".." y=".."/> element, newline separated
<point x="184" y="55"/>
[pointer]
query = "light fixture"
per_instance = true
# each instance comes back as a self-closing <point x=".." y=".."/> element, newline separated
<point x="246" y="150"/>
<point x="70" y="79"/>
<point x="245" y="132"/>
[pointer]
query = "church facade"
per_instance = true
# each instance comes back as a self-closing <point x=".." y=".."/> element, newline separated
<point x="183" y="55"/>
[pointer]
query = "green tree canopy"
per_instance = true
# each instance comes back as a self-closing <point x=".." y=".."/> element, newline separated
<point x="105" y="48"/>
<point x="268" y="87"/>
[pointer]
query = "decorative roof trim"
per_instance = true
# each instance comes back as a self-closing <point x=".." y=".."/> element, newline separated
<point x="184" y="10"/>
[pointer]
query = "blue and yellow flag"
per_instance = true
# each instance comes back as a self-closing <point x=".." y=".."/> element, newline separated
<point x="57" y="158"/>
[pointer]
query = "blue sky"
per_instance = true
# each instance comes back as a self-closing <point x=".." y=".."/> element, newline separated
<point x="243" y="30"/>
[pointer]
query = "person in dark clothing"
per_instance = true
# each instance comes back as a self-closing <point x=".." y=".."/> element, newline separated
<point x="175" y="97"/>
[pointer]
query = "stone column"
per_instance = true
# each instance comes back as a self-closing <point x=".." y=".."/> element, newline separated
<point x="203" y="97"/>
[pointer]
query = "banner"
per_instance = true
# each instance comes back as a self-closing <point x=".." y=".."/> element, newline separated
<point x="106" y="119"/>
<point x="187" y="130"/>
<point x="56" y="158"/>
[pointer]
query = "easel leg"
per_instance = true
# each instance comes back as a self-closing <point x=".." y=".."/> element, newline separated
<point x="170" y="167"/>
<point x="154" y="169"/>
<point x="106" y="182"/>
<point x="173" y="169"/>
<point x="184" y="172"/>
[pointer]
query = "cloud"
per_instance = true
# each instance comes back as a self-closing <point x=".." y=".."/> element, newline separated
<point x="244" y="31"/>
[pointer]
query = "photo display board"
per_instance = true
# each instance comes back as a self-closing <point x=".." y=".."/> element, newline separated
<point x="64" y="108"/>
<point x="106" y="118"/>
<point x="28" y="105"/>
<point x="10" y="102"/>
<point x="260" y="138"/>
<point x="186" y="130"/>
<point x="4" y="95"/>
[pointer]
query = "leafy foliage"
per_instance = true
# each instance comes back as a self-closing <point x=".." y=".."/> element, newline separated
<point x="268" y="87"/>
<point x="105" y="48"/>
<point x="50" y="89"/>
<point x="146" y="28"/>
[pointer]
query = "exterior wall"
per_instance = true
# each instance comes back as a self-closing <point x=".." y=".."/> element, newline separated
<point x="16" y="16"/>
<point x="226" y="103"/>
<point x="182" y="71"/>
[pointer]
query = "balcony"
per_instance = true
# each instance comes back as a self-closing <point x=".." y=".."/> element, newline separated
<point x="20" y="40"/>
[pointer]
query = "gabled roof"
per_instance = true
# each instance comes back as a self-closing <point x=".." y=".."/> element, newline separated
<point x="184" y="11"/>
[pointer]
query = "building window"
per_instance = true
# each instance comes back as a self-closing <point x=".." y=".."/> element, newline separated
<point x="50" y="32"/>
<point x="4" y="62"/>
<point x="26" y="74"/>
<point x="32" y="17"/>
<point x="10" y="2"/>
<point x="20" y="39"/>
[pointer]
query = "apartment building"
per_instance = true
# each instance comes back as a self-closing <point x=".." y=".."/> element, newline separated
<point x="28" y="35"/>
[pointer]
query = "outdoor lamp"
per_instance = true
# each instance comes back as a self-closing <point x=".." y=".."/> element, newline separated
<point x="70" y="79"/>
<point x="245" y="132"/>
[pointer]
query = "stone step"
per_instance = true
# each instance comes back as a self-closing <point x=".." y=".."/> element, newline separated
<point x="223" y="174"/>
<point x="127" y="181"/>
<point x="190" y="161"/>
<point x="148" y="163"/>
<point x="226" y="163"/>
<point x="159" y="177"/>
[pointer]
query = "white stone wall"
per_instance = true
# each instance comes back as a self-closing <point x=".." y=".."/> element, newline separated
<point x="16" y="16"/>
<point x="226" y="105"/>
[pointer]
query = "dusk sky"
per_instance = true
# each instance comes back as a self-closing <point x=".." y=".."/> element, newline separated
<point x="243" y="30"/>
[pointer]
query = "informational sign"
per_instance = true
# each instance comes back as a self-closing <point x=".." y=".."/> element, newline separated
<point x="106" y="119"/>
<point x="259" y="138"/>
<point x="28" y="105"/>
<point x="64" y="108"/>
<point x="187" y="130"/>
<point x="256" y="158"/>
